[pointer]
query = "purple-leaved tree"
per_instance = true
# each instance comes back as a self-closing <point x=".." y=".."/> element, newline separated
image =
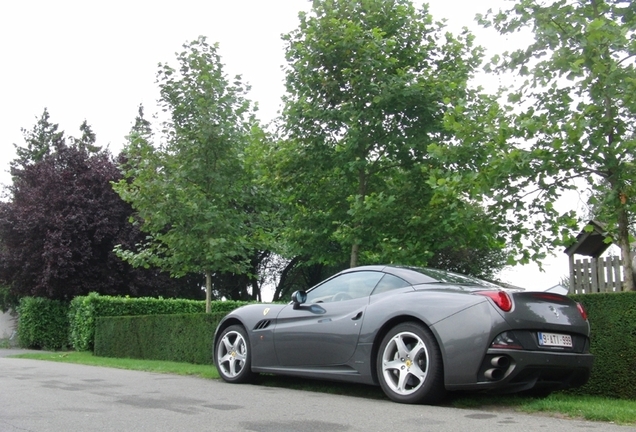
<point x="62" y="221"/>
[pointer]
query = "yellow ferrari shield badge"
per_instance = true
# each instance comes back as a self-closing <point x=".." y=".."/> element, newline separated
<point x="266" y="311"/>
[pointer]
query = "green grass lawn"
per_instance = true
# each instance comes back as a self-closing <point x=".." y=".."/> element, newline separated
<point x="87" y="358"/>
<point x="558" y="404"/>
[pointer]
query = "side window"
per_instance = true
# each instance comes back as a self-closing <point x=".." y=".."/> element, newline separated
<point x="388" y="283"/>
<point x="345" y="287"/>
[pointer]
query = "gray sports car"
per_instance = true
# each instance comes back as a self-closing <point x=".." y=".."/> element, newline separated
<point x="417" y="332"/>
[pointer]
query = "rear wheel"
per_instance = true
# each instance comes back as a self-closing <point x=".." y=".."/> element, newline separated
<point x="232" y="355"/>
<point x="409" y="365"/>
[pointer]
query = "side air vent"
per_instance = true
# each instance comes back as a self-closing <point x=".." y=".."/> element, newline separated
<point x="261" y="325"/>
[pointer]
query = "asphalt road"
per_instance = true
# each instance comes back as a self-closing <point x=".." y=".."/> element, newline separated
<point x="47" y="396"/>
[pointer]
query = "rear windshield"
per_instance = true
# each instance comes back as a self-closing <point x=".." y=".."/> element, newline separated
<point x="454" y="278"/>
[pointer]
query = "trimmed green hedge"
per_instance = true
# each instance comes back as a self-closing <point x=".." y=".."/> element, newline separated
<point x="85" y="310"/>
<point x="613" y="343"/>
<point x="43" y="323"/>
<point x="182" y="337"/>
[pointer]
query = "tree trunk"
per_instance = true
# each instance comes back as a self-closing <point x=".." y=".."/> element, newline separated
<point x="283" y="277"/>
<point x="208" y="291"/>
<point x="626" y="253"/>
<point x="256" y="290"/>
<point x="362" y="190"/>
<point x="355" y="251"/>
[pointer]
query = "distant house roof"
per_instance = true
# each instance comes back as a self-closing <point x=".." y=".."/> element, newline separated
<point x="558" y="289"/>
<point x="590" y="243"/>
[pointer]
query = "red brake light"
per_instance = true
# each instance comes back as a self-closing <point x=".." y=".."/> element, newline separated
<point x="501" y="299"/>
<point x="581" y="309"/>
<point x="555" y="298"/>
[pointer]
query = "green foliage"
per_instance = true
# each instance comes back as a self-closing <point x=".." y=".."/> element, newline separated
<point x="182" y="338"/>
<point x="190" y="193"/>
<point x="368" y="85"/>
<point x="613" y="342"/>
<point x="84" y="311"/>
<point x="87" y="141"/>
<point x="8" y="300"/>
<point x="40" y="141"/>
<point x="561" y="405"/>
<point x="155" y="366"/>
<point x="567" y="125"/>
<point x="193" y="193"/>
<point x="44" y="139"/>
<point x="43" y="323"/>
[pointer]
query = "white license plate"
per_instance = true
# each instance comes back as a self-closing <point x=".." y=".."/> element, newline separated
<point x="554" y="339"/>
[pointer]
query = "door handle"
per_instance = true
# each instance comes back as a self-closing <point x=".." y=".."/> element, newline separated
<point x="357" y="316"/>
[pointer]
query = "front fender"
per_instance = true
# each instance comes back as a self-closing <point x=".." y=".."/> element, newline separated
<point x="259" y="321"/>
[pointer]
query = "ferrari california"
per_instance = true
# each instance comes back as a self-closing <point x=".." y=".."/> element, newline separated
<point x="416" y="332"/>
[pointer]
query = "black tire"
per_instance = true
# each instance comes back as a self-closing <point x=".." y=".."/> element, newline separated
<point x="409" y="365"/>
<point x="233" y="355"/>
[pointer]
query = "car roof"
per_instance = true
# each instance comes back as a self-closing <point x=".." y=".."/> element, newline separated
<point x="424" y="275"/>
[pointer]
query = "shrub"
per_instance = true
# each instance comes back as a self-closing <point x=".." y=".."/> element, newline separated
<point x="179" y="337"/>
<point x="43" y="323"/>
<point x="8" y="300"/>
<point x="613" y="343"/>
<point x="84" y="311"/>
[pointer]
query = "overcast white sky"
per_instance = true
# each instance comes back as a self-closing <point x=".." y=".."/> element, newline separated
<point x="97" y="60"/>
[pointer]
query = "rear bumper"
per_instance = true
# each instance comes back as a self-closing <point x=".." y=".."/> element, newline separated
<point x="512" y="371"/>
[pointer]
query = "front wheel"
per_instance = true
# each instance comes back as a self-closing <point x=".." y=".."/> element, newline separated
<point x="409" y="365"/>
<point x="232" y="355"/>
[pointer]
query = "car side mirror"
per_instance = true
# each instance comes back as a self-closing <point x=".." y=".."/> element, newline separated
<point x="299" y="297"/>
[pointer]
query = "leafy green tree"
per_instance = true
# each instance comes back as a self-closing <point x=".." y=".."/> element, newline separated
<point x="192" y="193"/>
<point x="87" y="140"/>
<point x="44" y="138"/>
<point x="569" y="121"/>
<point x="368" y="85"/>
<point x="39" y="141"/>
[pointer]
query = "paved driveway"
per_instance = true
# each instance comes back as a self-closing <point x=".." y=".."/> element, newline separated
<point x="6" y="352"/>
<point x="47" y="396"/>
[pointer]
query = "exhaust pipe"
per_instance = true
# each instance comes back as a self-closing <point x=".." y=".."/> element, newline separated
<point x="494" y="374"/>
<point x="500" y="362"/>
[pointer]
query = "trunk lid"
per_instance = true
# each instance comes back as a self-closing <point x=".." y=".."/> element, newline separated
<point x="546" y="311"/>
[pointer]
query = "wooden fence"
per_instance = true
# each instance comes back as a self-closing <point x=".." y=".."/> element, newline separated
<point x="596" y="275"/>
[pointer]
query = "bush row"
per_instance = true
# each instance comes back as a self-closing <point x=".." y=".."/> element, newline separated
<point x="55" y="325"/>
<point x="180" y="337"/>
<point x="43" y="323"/>
<point x="613" y="343"/>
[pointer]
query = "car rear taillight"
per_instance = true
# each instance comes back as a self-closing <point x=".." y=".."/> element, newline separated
<point x="501" y="299"/>
<point x="581" y="309"/>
